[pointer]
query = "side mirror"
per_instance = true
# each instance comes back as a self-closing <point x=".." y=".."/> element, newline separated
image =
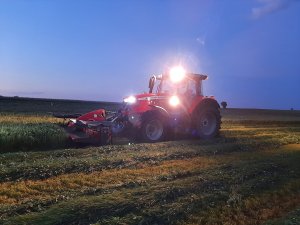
<point x="151" y="83"/>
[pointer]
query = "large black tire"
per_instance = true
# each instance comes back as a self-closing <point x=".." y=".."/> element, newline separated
<point x="153" y="128"/>
<point x="208" y="122"/>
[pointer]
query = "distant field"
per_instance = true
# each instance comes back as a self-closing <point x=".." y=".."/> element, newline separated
<point x="33" y="106"/>
<point x="248" y="175"/>
<point x="47" y="106"/>
<point x="261" y="114"/>
<point x="23" y="121"/>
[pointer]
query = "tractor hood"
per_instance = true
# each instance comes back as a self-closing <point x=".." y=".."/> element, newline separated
<point x="141" y="103"/>
<point x="144" y="96"/>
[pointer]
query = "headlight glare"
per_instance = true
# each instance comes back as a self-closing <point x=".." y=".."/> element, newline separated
<point x="130" y="100"/>
<point x="174" y="101"/>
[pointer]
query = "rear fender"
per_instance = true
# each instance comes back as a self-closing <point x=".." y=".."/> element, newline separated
<point x="208" y="102"/>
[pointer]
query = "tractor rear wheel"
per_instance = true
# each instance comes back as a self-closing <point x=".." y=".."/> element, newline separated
<point x="208" y="123"/>
<point x="153" y="129"/>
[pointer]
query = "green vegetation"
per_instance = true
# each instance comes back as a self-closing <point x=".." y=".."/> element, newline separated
<point x="248" y="175"/>
<point x="24" y="137"/>
<point x="19" y="132"/>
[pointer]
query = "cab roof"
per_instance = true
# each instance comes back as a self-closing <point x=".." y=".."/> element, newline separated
<point x="193" y="76"/>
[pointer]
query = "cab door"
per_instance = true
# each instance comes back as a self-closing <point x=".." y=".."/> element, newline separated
<point x="188" y="93"/>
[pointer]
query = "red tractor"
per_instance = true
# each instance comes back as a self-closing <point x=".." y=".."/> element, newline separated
<point x="175" y="104"/>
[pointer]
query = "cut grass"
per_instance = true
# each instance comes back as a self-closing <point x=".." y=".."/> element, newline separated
<point x="160" y="193"/>
<point x="41" y="165"/>
<point x="247" y="176"/>
<point x="206" y="193"/>
<point x="254" y="209"/>
<point x="291" y="218"/>
<point x="19" y="194"/>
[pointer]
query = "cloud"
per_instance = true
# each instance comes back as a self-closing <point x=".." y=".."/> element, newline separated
<point x="270" y="6"/>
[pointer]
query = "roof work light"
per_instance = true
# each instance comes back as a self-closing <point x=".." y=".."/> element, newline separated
<point x="177" y="74"/>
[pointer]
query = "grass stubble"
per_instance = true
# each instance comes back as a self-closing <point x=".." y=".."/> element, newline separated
<point x="249" y="175"/>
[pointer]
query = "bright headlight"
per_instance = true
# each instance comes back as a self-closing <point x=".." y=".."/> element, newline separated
<point x="177" y="74"/>
<point x="174" y="101"/>
<point x="130" y="100"/>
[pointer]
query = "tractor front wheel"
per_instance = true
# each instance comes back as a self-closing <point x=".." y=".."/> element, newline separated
<point x="153" y="129"/>
<point x="208" y="123"/>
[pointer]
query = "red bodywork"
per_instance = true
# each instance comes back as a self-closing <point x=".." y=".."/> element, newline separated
<point x="146" y="100"/>
<point x="131" y="114"/>
<point x="96" y="115"/>
<point x="81" y="131"/>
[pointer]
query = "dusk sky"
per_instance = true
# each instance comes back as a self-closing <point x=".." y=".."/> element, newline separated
<point x="106" y="50"/>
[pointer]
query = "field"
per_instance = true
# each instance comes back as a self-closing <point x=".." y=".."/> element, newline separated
<point x="248" y="175"/>
<point x="27" y="124"/>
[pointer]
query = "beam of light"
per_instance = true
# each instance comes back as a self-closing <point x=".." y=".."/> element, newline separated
<point x="174" y="101"/>
<point x="177" y="74"/>
<point x="131" y="99"/>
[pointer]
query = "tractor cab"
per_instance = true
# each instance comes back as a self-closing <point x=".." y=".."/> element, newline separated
<point x="177" y="82"/>
<point x="181" y="86"/>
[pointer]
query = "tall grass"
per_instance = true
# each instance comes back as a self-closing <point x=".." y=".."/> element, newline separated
<point x="8" y="118"/>
<point x="32" y="136"/>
